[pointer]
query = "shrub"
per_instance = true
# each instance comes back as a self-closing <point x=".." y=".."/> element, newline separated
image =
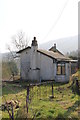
<point x="8" y="68"/>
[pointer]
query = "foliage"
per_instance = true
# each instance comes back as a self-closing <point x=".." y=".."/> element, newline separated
<point x="64" y="105"/>
<point x="8" y="68"/>
<point x="77" y="74"/>
<point x="73" y="57"/>
<point x="76" y="82"/>
<point x="73" y="54"/>
<point x="13" y="67"/>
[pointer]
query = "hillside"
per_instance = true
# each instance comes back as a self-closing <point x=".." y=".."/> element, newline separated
<point x="64" y="44"/>
<point x="69" y="44"/>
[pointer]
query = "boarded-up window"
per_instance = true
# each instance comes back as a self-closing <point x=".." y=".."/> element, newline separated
<point x="61" y="68"/>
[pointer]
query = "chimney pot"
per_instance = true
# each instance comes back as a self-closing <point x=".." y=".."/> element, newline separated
<point x="34" y="42"/>
<point x="54" y="47"/>
<point x="54" y="44"/>
<point x="35" y="38"/>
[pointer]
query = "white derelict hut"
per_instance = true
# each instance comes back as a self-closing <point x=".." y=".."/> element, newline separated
<point x="38" y="64"/>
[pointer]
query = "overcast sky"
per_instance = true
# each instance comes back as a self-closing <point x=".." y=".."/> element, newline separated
<point x="45" y="19"/>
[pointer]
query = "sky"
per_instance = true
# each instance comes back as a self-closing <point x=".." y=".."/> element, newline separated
<point x="45" y="19"/>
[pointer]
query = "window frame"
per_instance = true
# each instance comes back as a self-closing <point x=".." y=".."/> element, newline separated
<point x="62" y="66"/>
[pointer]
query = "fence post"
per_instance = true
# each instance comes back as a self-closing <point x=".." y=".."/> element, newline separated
<point x="77" y="85"/>
<point x="52" y="91"/>
<point x="27" y="98"/>
<point x="12" y="112"/>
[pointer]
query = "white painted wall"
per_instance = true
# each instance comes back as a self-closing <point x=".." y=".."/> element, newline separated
<point x="55" y="71"/>
<point x="68" y="71"/>
<point x="33" y="57"/>
<point x="25" y="64"/>
<point x="31" y="60"/>
<point x="34" y="73"/>
<point x="46" y="67"/>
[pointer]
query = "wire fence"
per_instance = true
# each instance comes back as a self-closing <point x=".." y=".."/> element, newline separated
<point x="35" y="92"/>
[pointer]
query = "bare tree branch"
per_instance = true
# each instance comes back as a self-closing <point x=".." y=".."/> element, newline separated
<point x="19" y="41"/>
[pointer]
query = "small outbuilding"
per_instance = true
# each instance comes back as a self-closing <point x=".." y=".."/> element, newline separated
<point x="38" y="64"/>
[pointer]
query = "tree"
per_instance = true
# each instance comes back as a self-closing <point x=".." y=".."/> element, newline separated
<point x="73" y="55"/>
<point x="9" y="68"/>
<point x="13" y="67"/>
<point x="20" y="41"/>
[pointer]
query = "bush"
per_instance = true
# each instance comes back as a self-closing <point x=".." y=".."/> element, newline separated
<point x="8" y="68"/>
<point x="60" y="117"/>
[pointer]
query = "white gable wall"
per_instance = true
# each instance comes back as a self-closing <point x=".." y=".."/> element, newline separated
<point x="46" y="67"/>
<point x="25" y="64"/>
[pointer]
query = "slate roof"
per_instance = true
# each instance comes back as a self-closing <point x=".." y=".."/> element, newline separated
<point x="54" y="55"/>
<point x="53" y="49"/>
<point x="24" y="49"/>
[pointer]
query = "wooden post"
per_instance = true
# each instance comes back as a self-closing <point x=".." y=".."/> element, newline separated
<point x="8" y="111"/>
<point x="52" y="91"/>
<point x="12" y="112"/>
<point x="77" y="85"/>
<point x="27" y="98"/>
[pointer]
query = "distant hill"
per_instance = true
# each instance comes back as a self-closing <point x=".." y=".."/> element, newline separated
<point x="8" y="56"/>
<point x="69" y="44"/>
<point x="65" y="45"/>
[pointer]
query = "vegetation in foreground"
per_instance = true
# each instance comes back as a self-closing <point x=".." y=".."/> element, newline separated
<point x="77" y="74"/>
<point x="8" y="68"/>
<point x="64" y="105"/>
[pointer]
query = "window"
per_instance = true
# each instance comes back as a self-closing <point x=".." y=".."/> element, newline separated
<point x="61" y="69"/>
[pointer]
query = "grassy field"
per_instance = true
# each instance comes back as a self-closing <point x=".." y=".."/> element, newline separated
<point x="64" y="105"/>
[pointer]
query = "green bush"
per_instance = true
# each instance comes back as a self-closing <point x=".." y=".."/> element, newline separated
<point x="9" y="68"/>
